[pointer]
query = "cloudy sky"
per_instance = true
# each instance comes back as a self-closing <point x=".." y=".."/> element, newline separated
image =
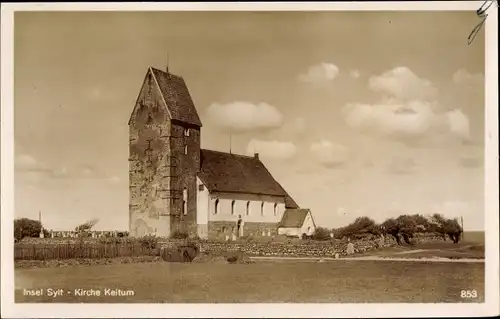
<point x="359" y="113"/>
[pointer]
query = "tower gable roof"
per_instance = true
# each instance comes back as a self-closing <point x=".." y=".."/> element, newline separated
<point x="175" y="94"/>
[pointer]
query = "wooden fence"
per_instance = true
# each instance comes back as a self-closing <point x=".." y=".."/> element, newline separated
<point x="71" y="251"/>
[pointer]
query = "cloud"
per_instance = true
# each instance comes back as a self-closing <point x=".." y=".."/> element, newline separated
<point x="355" y="74"/>
<point x="320" y="73"/>
<point x="401" y="165"/>
<point x="61" y="172"/>
<point x="401" y="83"/>
<point x="329" y="154"/>
<point x="300" y="124"/>
<point x="99" y="94"/>
<point x="458" y="124"/>
<point x="87" y="171"/>
<point x="471" y="162"/>
<point x="243" y="116"/>
<point x="463" y="76"/>
<point x="413" y="121"/>
<point x="114" y="180"/>
<point x="408" y="112"/>
<point x="38" y="171"/>
<point x="272" y="149"/>
<point x="26" y="162"/>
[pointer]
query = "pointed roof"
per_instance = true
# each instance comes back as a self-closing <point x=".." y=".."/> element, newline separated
<point x="293" y="218"/>
<point x="176" y="95"/>
<point x="233" y="173"/>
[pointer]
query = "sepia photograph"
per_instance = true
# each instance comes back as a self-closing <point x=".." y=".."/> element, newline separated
<point x="222" y="155"/>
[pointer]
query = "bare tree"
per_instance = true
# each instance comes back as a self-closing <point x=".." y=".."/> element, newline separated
<point x="87" y="226"/>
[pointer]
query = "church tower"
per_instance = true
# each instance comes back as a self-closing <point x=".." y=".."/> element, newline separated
<point x="164" y="157"/>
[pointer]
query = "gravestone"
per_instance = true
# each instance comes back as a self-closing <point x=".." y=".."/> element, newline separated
<point x="350" y="248"/>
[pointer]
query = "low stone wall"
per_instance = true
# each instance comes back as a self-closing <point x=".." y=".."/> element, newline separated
<point x="270" y="247"/>
<point x="306" y="248"/>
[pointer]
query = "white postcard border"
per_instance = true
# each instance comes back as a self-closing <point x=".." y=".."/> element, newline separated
<point x="489" y="308"/>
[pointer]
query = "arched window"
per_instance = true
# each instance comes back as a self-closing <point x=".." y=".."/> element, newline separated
<point x="232" y="207"/>
<point x="275" y="209"/>
<point x="216" y="206"/>
<point x="185" y="149"/>
<point x="186" y="132"/>
<point x="223" y="229"/>
<point x="262" y="209"/>
<point x="248" y="208"/>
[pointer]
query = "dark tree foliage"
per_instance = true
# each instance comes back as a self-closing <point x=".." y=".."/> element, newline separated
<point x="149" y="241"/>
<point x="403" y="228"/>
<point x="25" y="227"/>
<point x="446" y="227"/>
<point x="321" y="234"/>
<point x="87" y="226"/>
<point x="392" y="227"/>
<point x="361" y="227"/>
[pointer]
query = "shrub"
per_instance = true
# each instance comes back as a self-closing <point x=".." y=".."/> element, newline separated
<point x="360" y="228"/>
<point x="114" y="240"/>
<point x="148" y="241"/>
<point x="25" y="227"/>
<point x="444" y="226"/>
<point x="392" y="227"/>
<point x="87" y="226"/>
<point x="247" y="238"/>
<point x="321" y="234"/>
<point x="179" y="235"/>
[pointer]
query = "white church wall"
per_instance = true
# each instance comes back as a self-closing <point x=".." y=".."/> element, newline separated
<point x="202" y="208"/>
<point x="308" y="227"/>
<point x="230" y="206"/>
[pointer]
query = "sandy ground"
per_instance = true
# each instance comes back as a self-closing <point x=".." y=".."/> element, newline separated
<point x="370" y="258"/>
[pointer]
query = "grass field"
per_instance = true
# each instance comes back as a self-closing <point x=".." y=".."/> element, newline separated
<point x="474" y="236"/>
<point x="470" y="250"/>
<point x="338" y="281"/>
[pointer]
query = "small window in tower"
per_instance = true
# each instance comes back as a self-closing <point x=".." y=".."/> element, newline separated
<point x="248" y="208"/>
<point x="275" y="209"/>
<point x="186" y="132"/>
<point x="184" y="201"/>
<point x="185" y="149"/>
<point x="232" y="207"/>
<point x="262" y="209"/>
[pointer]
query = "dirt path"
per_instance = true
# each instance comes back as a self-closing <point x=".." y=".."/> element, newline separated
<point x="412" y="251"/>
<point x="368" y="258"/>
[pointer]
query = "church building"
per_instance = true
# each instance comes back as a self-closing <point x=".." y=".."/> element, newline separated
<point x="175" y="186"/>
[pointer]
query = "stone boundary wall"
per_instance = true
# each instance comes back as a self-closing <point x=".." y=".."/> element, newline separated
<point x="291" y="247"/>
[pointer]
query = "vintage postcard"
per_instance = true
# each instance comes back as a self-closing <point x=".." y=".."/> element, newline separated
<point x="250" y="160"/>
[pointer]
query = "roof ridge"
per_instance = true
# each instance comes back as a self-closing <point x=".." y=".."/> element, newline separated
<point x="234" y="154"/>
<point x="167" y="73"/>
